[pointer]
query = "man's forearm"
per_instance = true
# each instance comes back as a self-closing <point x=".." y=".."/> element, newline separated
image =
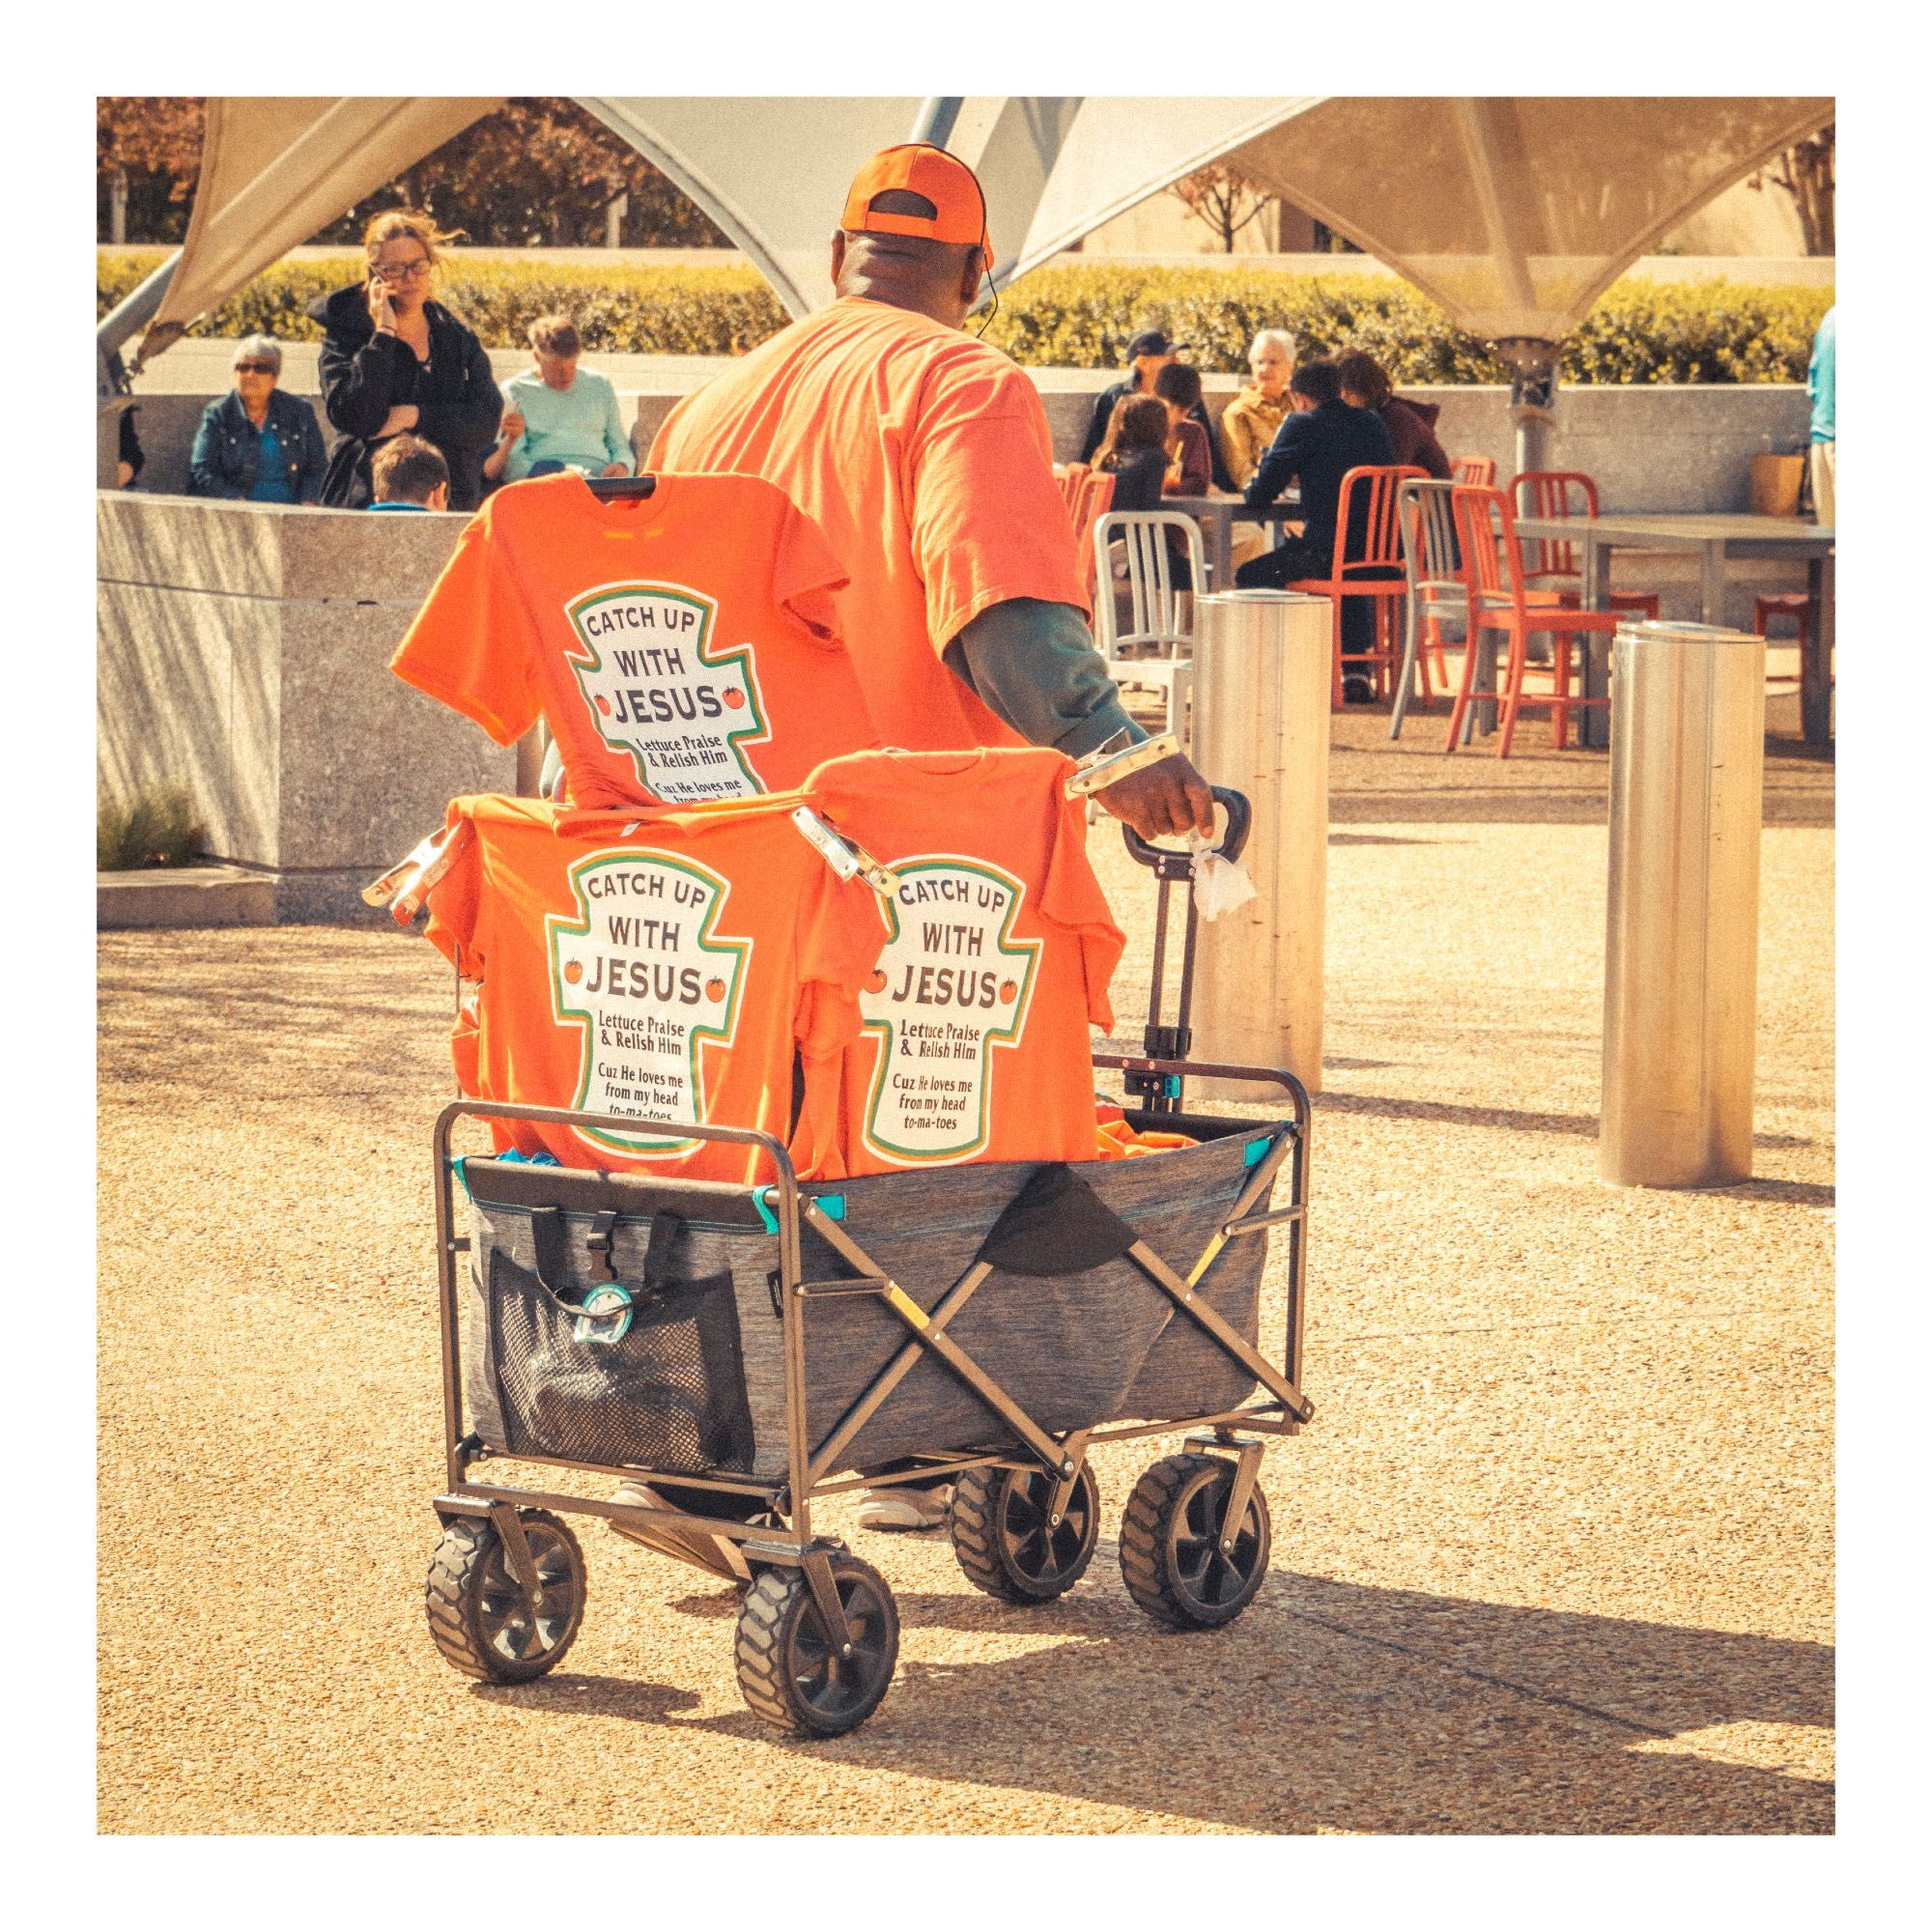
<point x="1033" y="666"/>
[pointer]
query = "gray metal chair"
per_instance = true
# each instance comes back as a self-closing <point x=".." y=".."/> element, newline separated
<point x="1437" y="595"/>
<point x="1157" y="644"/>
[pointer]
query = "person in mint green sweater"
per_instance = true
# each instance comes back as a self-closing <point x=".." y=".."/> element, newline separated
<point x="558" y="416"/>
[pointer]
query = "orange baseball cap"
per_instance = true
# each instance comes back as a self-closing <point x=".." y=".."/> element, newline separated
<point x="959" y="208"/>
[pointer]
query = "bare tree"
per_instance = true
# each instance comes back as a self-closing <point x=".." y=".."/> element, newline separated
<point x="1223" y="197"/>
<point x="1807" y="174"/>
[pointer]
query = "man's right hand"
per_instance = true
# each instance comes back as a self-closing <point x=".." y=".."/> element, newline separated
<point x="511" y="427"/>
<point x="1164" y="800"/>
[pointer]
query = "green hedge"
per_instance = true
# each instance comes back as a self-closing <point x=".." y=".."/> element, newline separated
<point x="1082" y="317"/>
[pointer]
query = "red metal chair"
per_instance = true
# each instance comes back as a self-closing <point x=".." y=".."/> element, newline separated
<point x="1095" y="500"/>
<point x="1500" y="600"/>
<point x="1564" y="494"/>
<point x="1378" y="574"/>
<point x="1795" y="604"/>
<point x="1073" y="480"/>
<point x="1477" y="470"/>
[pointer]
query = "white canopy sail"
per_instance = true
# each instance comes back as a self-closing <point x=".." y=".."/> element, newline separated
<point x="274" y="171"/>
<point x="1514" y="215"/>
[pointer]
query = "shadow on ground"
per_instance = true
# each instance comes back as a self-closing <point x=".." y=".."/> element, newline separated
<point x="1330" y="1706"/>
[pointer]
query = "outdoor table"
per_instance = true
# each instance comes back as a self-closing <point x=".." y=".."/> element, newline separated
<point x="1719" y="538"/>
<point x="1217" y="517"/>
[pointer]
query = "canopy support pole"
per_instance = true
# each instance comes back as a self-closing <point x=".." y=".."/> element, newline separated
<point x="937" y="113"/>
<point x="135" y="309"/>
<point x="1532" y="365"/>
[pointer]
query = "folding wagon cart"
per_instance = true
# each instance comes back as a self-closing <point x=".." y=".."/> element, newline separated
<point x="767" y="1346"/>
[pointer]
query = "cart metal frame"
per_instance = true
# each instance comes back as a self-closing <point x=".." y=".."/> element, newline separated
<point x="813" y="1469"/>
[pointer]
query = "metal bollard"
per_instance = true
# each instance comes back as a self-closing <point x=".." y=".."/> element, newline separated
<point x="1262" y="664"/>
<point x="1680" y="971"/>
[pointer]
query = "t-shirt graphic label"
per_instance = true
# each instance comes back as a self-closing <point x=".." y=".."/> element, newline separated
<point x="656" y="689"/>
<point x="950" y="985"/>
<point x="642" y="972"/>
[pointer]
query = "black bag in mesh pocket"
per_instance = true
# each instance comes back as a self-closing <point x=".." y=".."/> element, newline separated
<point x="667" y="1393"/>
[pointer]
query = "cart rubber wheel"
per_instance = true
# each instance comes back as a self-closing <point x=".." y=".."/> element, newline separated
<point x="1003" y="1542"/>
<point x="478" y="1614"/>
<point x="1171" y="1554"/>
<point x="790" y="1674"/>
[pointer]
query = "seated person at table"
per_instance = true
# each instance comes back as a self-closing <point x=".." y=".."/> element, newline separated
<point x="133" y="459"/>
<point x="1322" y="440"/>
<point x="256" y="444"/>
<point x="1189" y="467"/>
<point x="1150" y="353"/>
<point x="557" y="415"/>
<point x="1134" y="454"/>
<point x="1254" y="418"/>
<point x="408" y="474"/>
<point x="1411" y="426"/>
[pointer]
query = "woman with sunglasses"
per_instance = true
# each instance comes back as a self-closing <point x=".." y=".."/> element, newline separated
<point x="394" y="360"/>
<point x="256" y="444"/>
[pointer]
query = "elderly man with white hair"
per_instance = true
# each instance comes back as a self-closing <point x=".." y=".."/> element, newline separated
<point x="1250" y="422"/>
<point x="257" y="444"/>
<point x="1254" y="418"/>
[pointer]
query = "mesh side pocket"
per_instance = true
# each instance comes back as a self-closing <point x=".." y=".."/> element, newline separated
<point x="668" y="1395"/>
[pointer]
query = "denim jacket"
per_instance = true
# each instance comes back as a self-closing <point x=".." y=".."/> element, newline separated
<point x="228" y="448"/>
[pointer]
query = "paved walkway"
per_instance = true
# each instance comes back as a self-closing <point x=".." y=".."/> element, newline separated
<point x="1556" y="1554"/>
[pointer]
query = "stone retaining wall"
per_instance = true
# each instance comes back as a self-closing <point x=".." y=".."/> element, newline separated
<point x="1650" y="446"/>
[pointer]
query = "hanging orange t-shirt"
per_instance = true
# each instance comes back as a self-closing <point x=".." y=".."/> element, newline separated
<point x="924" y="456"/>
<point x="975" y="1044"/>
<point x="681" y="646"/>
<point x="665" y="967"/>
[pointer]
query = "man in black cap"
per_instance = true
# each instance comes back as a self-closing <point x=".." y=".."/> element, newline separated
<point x="1148" y="354"/>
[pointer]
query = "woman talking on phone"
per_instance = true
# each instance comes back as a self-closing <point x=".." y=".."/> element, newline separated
<point x="393" y="361"/>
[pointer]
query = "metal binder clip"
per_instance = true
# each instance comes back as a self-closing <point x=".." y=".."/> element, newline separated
<point x="405" y="886"/>
<point x="848" y="858"/>
<point x="1099" y="769"/>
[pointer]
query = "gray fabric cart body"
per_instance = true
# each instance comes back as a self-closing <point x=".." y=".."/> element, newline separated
<point x="1066" y="1323"/>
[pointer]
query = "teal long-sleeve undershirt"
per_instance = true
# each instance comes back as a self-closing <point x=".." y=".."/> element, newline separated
<point x="1033" y="666"/>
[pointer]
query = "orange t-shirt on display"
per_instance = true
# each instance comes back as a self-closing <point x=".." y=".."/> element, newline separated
<point x="682" y="646"/>
<point x="665" y="967"/>
<point x="976" y="1041"/>
<point x="924" y="456"/>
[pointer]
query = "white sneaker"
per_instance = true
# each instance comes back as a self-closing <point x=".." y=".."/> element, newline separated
<point x="900" y="1508"/>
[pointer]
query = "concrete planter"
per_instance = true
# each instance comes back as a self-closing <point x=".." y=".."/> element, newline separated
<point x="244" y="650"/>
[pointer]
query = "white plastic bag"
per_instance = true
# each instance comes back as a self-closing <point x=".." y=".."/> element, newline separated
<point x="1220" y="885"/>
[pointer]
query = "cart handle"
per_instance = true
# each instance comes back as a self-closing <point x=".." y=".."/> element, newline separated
<point x="1239" y="816"/>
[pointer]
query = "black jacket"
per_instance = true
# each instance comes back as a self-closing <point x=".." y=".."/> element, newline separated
<point x="364" y="375"/>
<point x="1104" y="415"/>
<point x="227" y="456"/>
<point x="1319" y="447"/>
<point x="1137" y="482"/>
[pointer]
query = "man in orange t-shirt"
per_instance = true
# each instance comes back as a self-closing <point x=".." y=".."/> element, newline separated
<point x="924" y="456"/>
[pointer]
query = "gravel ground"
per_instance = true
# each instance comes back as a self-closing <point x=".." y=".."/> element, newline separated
<point x="1555" y="1554"/>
